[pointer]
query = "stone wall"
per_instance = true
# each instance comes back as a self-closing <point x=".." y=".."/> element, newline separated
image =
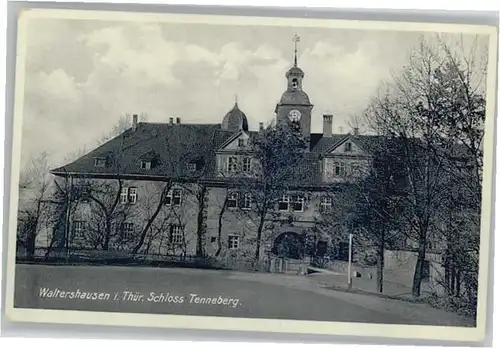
<point x="399" y="269"/>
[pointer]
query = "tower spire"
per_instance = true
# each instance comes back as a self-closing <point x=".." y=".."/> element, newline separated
<point x="296" y="39"/>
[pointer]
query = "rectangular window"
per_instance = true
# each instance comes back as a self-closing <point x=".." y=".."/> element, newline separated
<point x="354" y="169"/>
<point x="99" y="162"/>
<point x="241" y="142"/>
<point x="339" y="168"/>
<point x="128" y="195"/>
<point x="191" y="167"/>
<point x="124" y="195"/>
<point x="348" y="147"/>
<point x="232" y="200"/>
<point x="176" y="235"/>
<point x="283" y="203"/>
<point x="247" y="164"/>
<point x="78" y="229"/>
<point x="233" y="242"/>
<point x="298" y="203"/>
<point x="232" y="164"/>
<point x="132" y="195"/>
<point x="326" y="203"/>
<point x="146" y="165"/>
<point x="246" y="204"/>
<point x="127" y="230"/>
<point x="174" y="197"/>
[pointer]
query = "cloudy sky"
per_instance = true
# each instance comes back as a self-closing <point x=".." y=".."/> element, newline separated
<point x="83" y="75"/>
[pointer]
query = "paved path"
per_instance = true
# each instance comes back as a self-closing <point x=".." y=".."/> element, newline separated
<point x="237" y="294"/>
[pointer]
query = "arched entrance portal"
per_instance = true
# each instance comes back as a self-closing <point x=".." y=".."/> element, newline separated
<point x="289" y="244"/>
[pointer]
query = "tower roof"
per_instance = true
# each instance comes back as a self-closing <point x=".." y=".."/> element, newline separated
<point x="235" y="119"/>
<point x="295" y="71"/>
<point x="295" y="97"/>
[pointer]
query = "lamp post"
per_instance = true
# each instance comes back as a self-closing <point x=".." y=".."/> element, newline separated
<point x="349" y="279"/>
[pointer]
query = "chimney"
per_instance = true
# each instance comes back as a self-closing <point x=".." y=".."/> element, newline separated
<point x="178" y="120"/>
<point x="327" y="125"/>
<point x="134" y="122"/>
<point x="356" y="131"/>
<point x="171" y="120"/>
<point x="261" y="126"/>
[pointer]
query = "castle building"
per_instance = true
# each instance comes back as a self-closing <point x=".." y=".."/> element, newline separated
<point x="167" y="188"/>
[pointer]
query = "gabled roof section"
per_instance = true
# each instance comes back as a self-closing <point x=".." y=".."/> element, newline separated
<point x="175" y="144"/>
<point x="319" y="143"/>
<point x="229" y="140"/>
<point x="366" y="143"/>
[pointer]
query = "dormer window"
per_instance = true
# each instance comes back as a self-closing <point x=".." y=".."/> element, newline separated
<point x="232" y="164"/>
<point x="100" y="162"/>
<point x="247" y="164"/>
<point x="348" y="147"/>
<point x="195" y="164"/>
<point x="146" y="165"/>
<point x="339" y="169"/>
<point x="149" y="160"/>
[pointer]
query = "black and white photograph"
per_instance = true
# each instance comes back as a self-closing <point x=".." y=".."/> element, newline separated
<point x="206" y="171"/>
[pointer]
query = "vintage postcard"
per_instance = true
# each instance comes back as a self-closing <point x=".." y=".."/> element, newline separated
<point x="249" y="173"/>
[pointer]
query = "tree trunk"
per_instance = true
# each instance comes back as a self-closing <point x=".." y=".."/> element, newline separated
<point x="107" y="236"/>
<point x="201" y="222"/>
<point x="458" y="282"/>
<point x="219" y="232"/>
<point x="447" y="283"/>
<point x="419" y="268"/>
<point x="144" y="232"/>
<point x="259" y="237"/>
<point x="452" y="278"/>
<point x="30" y="245"/>
<point x="380" y="264"/>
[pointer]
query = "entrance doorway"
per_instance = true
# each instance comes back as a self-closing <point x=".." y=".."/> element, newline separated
<point x="290" y="245"/>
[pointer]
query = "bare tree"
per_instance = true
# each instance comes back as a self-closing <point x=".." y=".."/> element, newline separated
<point x="279" y="163"/>
<point x="432" y="109"/>
<point x="162" y="195"/>
<point x="220" y="222"/>
<point x="34" y="189"/>
<point x="103" y="195"/>
<point x="187" y="168"/>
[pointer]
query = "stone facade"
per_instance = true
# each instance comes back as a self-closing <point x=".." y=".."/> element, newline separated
<point x="174" y="229"/>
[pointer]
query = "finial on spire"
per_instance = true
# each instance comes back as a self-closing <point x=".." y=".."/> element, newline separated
<point x="236" y="99"/>
<point x="296" y="39"/>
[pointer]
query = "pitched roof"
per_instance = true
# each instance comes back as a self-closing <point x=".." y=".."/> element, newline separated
<point x="170" y="147"/>
<point x="173" y="145"/>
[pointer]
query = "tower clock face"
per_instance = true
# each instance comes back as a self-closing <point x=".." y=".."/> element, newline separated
<point x="294" y="115"/>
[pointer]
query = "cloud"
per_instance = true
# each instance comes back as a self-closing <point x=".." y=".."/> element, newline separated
<point x="72" y="99"/>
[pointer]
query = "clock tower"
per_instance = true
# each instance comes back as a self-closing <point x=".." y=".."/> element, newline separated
<point x="294" y="107"/>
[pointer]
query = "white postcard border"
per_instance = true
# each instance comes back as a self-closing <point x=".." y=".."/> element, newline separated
<point x="245" y="324"/>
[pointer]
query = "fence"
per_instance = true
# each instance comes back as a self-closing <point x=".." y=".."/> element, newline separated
<point x="286" y="265"/>
<point x="123" y="258"/>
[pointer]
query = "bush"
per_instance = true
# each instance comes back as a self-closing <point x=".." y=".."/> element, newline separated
<point x="367" y="258"/>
